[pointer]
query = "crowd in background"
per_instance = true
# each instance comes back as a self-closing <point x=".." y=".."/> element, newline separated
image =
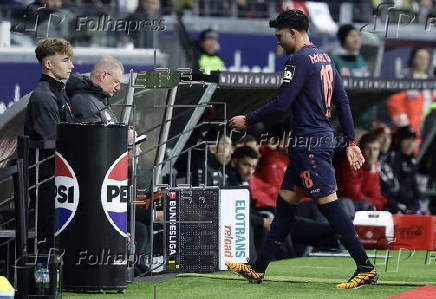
<point x="23" y="14"/>
<point x="241" y="8"/>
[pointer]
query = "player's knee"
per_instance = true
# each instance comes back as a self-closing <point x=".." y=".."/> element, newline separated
<point x="326" y="199"/>
<point x="290" y="197"/>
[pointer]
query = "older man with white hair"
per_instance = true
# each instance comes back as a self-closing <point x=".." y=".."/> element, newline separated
<point x="89" y="96"/>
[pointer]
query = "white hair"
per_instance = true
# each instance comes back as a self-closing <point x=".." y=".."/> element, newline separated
<point x="107" y="64"/>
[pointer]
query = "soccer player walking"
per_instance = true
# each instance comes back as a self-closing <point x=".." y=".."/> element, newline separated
<point x="310" y="85"/>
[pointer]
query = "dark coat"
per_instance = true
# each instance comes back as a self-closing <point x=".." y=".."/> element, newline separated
<point x="48" y="105"/>
<point x="405" y="170"/>
<point x="88" y="101"/>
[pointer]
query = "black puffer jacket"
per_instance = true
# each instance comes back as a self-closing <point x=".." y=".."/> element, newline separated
<point x="48" y="105"/>
<point x="88" y="101"/>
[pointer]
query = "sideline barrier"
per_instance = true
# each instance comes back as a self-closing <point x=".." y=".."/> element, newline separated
<point x="415" y="232"/>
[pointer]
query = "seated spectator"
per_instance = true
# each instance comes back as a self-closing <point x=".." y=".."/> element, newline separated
<point x="388" y="182"/>
<point x="252" y="8"/>
<point x="218" y="156"/>
<point x="363" y="185"/>
<point x="54" y="19"/>
<point x="408" y="107"/>
<point x="273" y="162"/>
<point x="148" y="14"/>
<point x="403" y="164"/>
<point x="242" y="166"/>
<point x="347" y="58"/>
<point x="349" y="62"/>
<point x="248" y="140"/>
<point x="424" y="10"/>
<point x="384" y="134"/>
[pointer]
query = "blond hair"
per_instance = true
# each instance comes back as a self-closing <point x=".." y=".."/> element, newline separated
<point x="52" y="46"/>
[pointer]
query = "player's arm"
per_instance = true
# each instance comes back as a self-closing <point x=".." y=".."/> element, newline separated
<point x="340" y="99"/>
<point x="293" y="81"/>
<point x="45" y="116"/>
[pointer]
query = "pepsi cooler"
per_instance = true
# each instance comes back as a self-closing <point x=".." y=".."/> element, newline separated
<point x="91" y="205"/>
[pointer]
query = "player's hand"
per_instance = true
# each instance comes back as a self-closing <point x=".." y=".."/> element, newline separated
<point x="238" y="122"/>
<point x="355" y="157"/>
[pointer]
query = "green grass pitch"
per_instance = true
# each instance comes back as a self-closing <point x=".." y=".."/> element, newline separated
<point x="309" y="277"/>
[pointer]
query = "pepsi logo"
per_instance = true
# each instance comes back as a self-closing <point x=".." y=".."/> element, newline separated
<point x="67" y="193"/>
<point x="172" y="195"/>
<point x="115" y="194"/>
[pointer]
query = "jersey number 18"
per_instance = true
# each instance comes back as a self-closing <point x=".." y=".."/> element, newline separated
<point x="327" y="82"/>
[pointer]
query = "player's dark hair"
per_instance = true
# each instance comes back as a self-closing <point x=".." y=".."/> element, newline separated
<point x="368" y="138"/>
<point x="292" y="19"/>
<point x="245" y="152"/>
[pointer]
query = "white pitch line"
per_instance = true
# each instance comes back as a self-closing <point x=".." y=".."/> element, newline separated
<point x="315" y="267"/>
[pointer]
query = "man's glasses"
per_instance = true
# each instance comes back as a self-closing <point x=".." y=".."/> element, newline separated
<point x="116" y="82"/>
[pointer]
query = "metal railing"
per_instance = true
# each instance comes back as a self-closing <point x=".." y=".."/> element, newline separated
<point x="161" y="159"/>
<point x="19" y="175"/>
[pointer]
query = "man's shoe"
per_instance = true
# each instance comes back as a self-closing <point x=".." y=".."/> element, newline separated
<point x="360" y="277"/>
<point x="245" y="271"/>
<point x="141" y="270"/>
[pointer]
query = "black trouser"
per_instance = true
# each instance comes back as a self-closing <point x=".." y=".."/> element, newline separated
<point x="46" y="200"/>
<point x="142" y="248"/>
<point x="46" y="214"/>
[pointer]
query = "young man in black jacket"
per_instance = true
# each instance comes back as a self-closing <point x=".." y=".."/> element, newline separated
<point x="90" y="95"/>
<point x="48" y="105"/>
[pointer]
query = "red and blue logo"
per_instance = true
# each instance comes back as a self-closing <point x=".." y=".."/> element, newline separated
<point x="67" y="193"/>
<point x="115" y="194"/>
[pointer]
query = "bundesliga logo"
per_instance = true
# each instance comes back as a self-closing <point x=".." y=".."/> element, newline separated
<point x="67" y="193"/>
<point x="115" y="194"/>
